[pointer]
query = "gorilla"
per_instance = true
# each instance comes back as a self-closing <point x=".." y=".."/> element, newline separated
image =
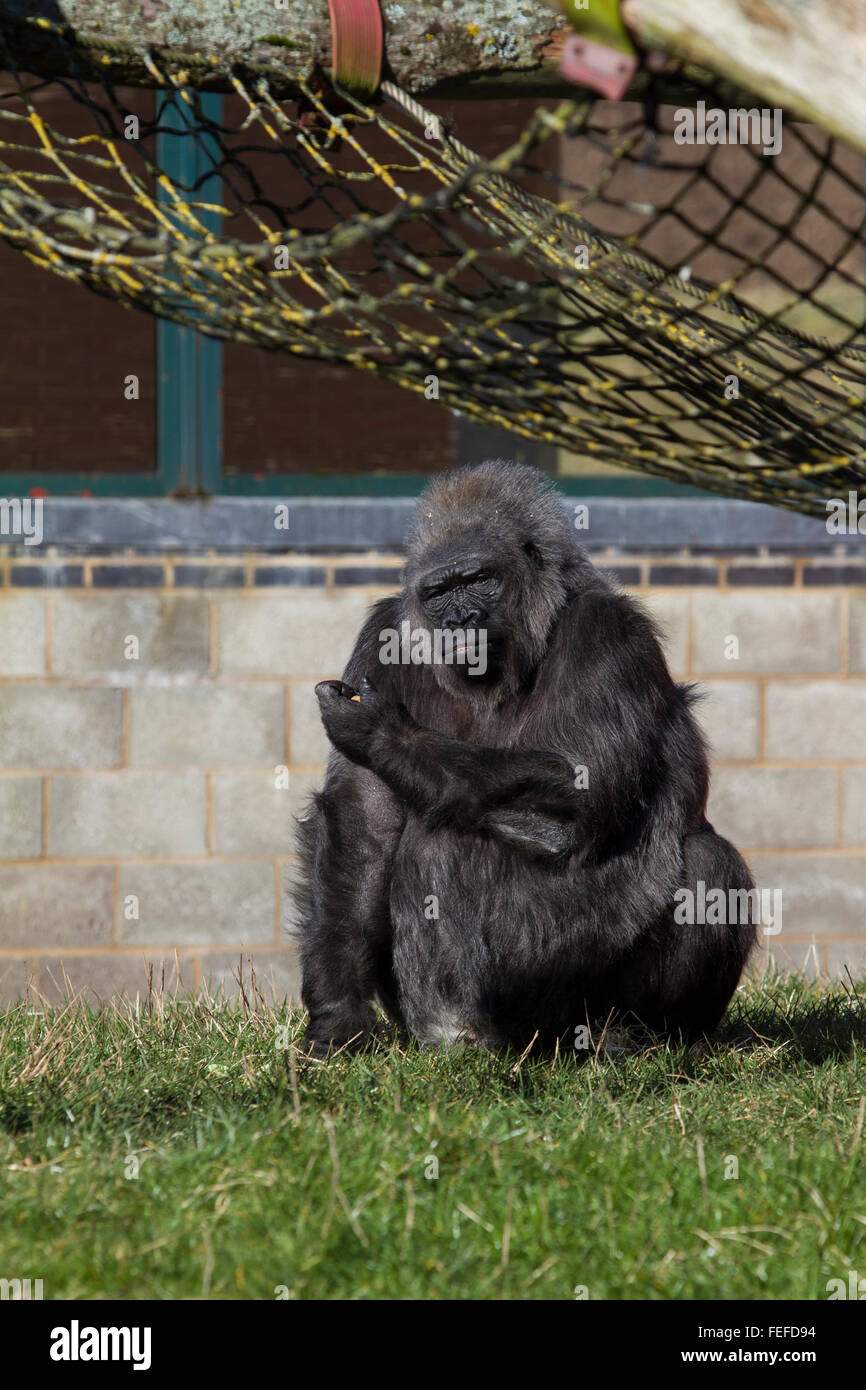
<point x="501" y="842"/>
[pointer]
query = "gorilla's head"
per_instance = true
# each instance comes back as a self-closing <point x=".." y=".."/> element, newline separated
<point x="492" y="559"/>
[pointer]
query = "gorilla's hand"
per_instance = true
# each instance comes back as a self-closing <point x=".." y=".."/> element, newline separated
<point x="355" y="726"/>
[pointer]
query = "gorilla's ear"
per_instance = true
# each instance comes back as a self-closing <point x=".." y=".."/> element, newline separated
<point x="533" y="554"/>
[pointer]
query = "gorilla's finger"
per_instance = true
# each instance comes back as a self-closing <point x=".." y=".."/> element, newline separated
<point x="331" y="690"/>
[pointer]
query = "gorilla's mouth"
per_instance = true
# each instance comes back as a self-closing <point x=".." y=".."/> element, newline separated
<point x="472" y="643"/>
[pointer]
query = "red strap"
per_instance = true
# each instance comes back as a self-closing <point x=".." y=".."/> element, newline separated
<point x="357" y="42"/>
<point x="597" y="66"/>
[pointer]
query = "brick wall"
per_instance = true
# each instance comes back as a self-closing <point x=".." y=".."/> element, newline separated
<point x="140" y="813"/>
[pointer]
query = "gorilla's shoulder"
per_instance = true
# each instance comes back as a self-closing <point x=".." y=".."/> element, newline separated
<point x="385" y="615"/>
<point x="385" y="612"/>
<point x="600" y="617"/>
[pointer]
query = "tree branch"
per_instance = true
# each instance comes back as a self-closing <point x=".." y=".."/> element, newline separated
<point x="808" y="58"/>
<point x="460" y="48"/>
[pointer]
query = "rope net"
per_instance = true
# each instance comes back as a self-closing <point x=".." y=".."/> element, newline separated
<point x="693" y="311"/>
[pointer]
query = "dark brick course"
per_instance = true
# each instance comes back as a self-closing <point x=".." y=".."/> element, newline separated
<point x="761" y="576"/>
<point x="683" y="574"/>
<point x="128" y="576"/>
<point x="367" y="574"/>
<point x="47" y="576"/>
<point x="285" y="576"/>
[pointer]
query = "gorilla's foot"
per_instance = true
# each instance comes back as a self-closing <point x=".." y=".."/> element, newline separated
<point x="345" y="1029"/>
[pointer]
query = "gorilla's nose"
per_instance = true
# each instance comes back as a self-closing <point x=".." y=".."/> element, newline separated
<point x="470" y="618"/>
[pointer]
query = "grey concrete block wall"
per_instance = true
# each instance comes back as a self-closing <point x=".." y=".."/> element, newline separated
<point x="198" y="904"/>
<point x="146" y="820"/>
<point x="21" y="817"/>
<point x="209" y="726"/>
<point x="51" y="906"/>
<point x="857" y="633"/>
<point x="775" y="807"/>
<point x="287" y="635"/>
<point x="773" y="632"/>
<point x="22" y="635"/>
<point x="127" y="814"/>
<point x="59" y="726"/>
<point x="252" y="813"/>
<point x="854" y="806"/>
<point x="823" y="895"/>
<point x="824" y="720"/>
<point x="730" y="716"/>
<point x="672" y="613"/>
<point x="90" y="637"/>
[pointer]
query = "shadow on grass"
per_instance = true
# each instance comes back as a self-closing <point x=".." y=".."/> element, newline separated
<point x="812" y="1022"/>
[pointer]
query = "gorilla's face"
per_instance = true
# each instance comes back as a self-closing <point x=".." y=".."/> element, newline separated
<point x="461" y="597"/>
<point x="494" y="579"/>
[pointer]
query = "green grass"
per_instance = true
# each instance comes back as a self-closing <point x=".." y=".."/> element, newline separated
<point x="258" y="1167"/>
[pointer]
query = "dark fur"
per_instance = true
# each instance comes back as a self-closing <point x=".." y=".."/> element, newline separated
<point x="555" y="904"/>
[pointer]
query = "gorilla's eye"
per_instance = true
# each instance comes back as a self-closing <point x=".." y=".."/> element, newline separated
<point x="428" y="592"/>
<point x="440" y="589"/>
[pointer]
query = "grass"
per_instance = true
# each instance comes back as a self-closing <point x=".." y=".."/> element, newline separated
<point x="174" y="1150"/>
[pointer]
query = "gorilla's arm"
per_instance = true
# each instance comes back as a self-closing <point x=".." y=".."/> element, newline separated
<point x="601" y="702"/>
<point x="525" y="797"/>
<point x="348" y="838"/>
